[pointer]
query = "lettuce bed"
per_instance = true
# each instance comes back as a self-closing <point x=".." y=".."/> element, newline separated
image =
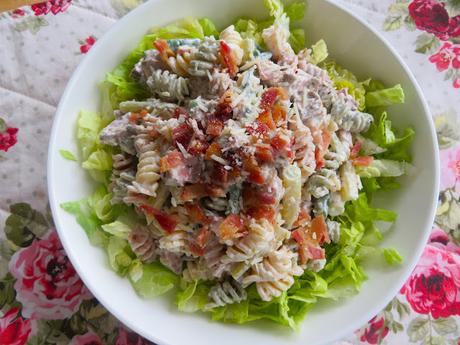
<point x="107" y="226"/>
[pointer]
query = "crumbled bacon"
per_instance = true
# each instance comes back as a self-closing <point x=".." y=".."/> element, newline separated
<point x="362" y="161"/>
<point x="172" y="160"/>
<point x="215" y="127"/>
<point x="181" y="111"/>
<point x="258" y="129"/>
<point x="197" y="147"/>
<point x="167" y="222"/>
<point x="232" y="227"/>
<point x="135" y="117"/>
<point x="262" y="212"/>
<point x="228" y="59"/>
<point x="303" y="219"/>
<point x="198" y="246"/>
<point x="266" y="118"/>
<point x="319" y="229"/>
<point x="279" y="114"/>
<point x="254" y="197"/>
<point x="213" y="149"/>
<point x="270" y="96"/>
<point x="264" y="153"/>
<point x="308" y="249"/>
<point x="196" y="213"/>
<point x="255" y="173"/>
<point x="219" y="174"/>
<point x="319" y="158"/>
<point x="182" y="134"/>
<point x="193" y="192"/>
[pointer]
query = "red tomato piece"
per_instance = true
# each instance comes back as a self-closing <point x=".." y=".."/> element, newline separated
<point x="362" y="161"/>
<point x="228" y="58"/>
<point x="266" y="118"/>
<point x="262" y="212"/>
<point x="279" y="114"/>
<point x="219" y="174"/>
<point x="193" y="192"/>
<point x="264" y="153"/>
<point x="197" y="147"/>
<point x="355" y="149"/>
<point x="319" y="229"/>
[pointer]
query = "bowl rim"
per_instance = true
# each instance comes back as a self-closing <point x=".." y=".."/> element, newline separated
<point x="352" y="326"/>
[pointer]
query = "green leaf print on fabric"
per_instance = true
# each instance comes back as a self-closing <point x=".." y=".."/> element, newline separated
<point x="426" y="43"/>
<point x="32" y="24"/>
<point x="418" y="329"/>
<point x="24" y="224"/>
<point x="445" y="326"/>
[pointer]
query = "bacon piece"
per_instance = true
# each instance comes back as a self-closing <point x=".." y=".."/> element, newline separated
<point x="213" y="149"/>
<point x="135" y="117"/>
<point x="232" y="227"/>
<point x="279" y="114"/>
<point x="270" y="96"/>
<point x="219" y="174"/>
<point x="262" y="212"/>
<point x="198" y="246"/>
<point x="264" y="153"/>
<point x="172" y="160"/>
<point x="196" y="213"/>
<point x="165" y="220"/>
<point x="228" y="59"/>
<point x="266" y="118"/>
<point x="255" y="173"/>
<point x="258" y="129"/>
<point x="308" y="249"/>
<point x="193" y="192"/>
<point x="319" y="231"/>
<point x="215" y="127"/>
<point x="303" y="219"/>
<point x="182" y="134"/>
<point x="197" y="147"/>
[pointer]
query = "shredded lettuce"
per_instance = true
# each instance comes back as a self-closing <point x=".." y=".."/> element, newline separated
<point x="120" y="255"/>
<point x="297" y="39"/>
<point x="385" y="97"/>
<point x="88" y="127"/>
<point x="66" y="154"/>
<point x="359" y="210"/>
<point x="136" y="270"/>
<point x="193" y="296"/>
<point x="384" y="167"/>
<point x="319" y="52"/>
<point x="156" y="280"/>
<point x="209" y="29"/>
<point x="344" y="79"/>
<point x="295" y="10"/>
<point x="117" y="229"/>
<point x="392" y="256"/>
<point x="275" y="8"/>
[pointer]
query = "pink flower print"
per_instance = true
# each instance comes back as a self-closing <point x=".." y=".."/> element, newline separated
<point x="14" y="329"/>
<point x="443" y="57"/>
<point x="87" y="44"/>
<point x="8" y="136"/>
<point x="46" y="282"/>
<point x="439" y="239"/>
<point x="456" y="83"/>
<point x="53" y="6"/>
<point x="89" y="338"/>
<point x="450" y="167"/>
<point x="17" y="13"/>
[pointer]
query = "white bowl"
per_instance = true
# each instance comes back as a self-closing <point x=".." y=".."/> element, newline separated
<point x="354" y="45"/>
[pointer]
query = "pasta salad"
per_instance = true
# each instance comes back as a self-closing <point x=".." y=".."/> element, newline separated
<point x="237" y="168"/>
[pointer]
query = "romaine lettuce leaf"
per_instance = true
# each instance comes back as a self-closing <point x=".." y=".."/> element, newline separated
<point x="295" y="10"/>
<point x="120" y="255"/>
<point x="89" y="125"/>
<point x="66" y="154"/>
<point x="385" y="97"/>
<point x="319" y="52"/>
<point x="384" y="167"/>
<point x="392" y="256"/>
<point x="193" y="296"/>
<point x="117" y="229"/>
<point x="359" y="210"/>
<point x="156" y="280"/>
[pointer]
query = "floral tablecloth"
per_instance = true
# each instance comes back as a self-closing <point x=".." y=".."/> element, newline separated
<point x="43" y="301"/>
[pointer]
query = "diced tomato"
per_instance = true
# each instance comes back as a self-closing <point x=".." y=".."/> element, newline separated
<point x="196" y="213"/>
<point x="362" y="161"/>
<point x="258" y="129"/>
<point x="266" y="118"/>
<point x="278" y="114"/>
<point x="326" y="138"/>
<point x="355" y="149"/>
<point x="182" y="134"/>
<point x="171" y="160"/>
<point x="270" y="96"/>
<point x="165" y="220"/>
<point x="219" y="174"/>
<point x="319" y="228"/>
<point x="134" y="117"/>
<point x="320" y="163"/>
<point x="262" y="212"/>
<point x="228" y="58"/>
<point x="197" y="147"/>
<point x="196" y="249"/>
<point x="232" y="227"/>
<point x="215" y="127"/>
<point x="264" y="153"/>
<point x="253" y="197"/>
<point x="213" y="149"/>
<point x="163" y="48"/>
<point x="280" y="142"/>
<point x="307" y="249"/>
<point x="193" y="192"/>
